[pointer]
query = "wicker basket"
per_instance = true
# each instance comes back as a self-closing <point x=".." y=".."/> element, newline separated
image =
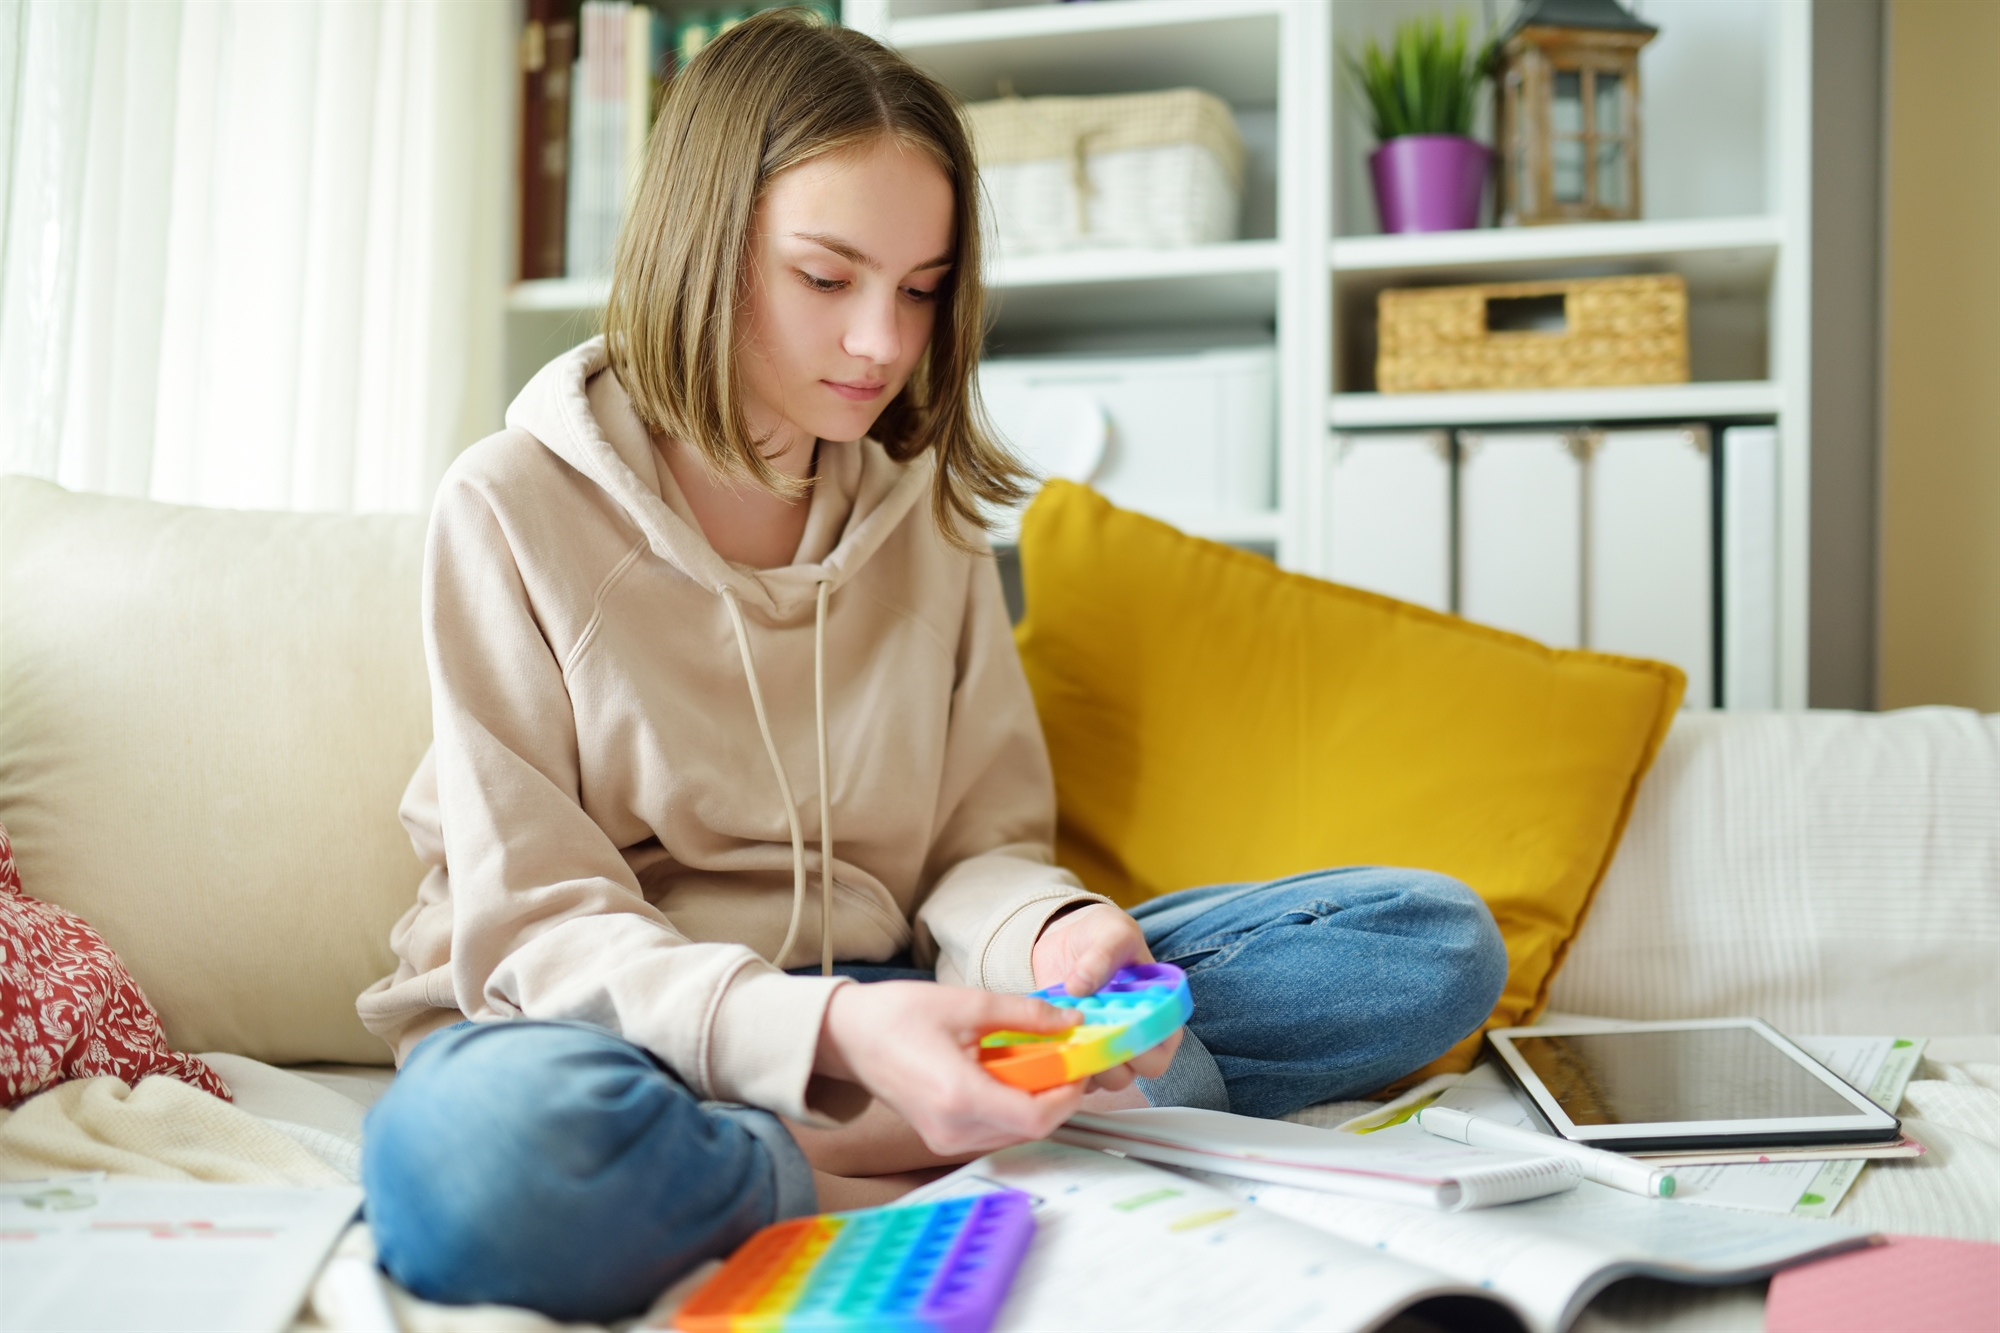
<point x="1603" y="331"/>
<point x="1135" y="169"/>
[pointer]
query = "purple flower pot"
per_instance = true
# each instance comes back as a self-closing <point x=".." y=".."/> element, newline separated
<point x="1429" y="182"/>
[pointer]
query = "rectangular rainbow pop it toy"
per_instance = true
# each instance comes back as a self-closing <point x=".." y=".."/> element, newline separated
<point x="925" y="1268"/>
<point x="1135" y="1011"/>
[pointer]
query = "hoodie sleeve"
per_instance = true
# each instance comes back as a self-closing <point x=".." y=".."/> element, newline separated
<point x="548" y="920"/>
<point x="992" y="866"/>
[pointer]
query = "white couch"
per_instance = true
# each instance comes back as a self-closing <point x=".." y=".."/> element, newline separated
<point x="207" y="718"/>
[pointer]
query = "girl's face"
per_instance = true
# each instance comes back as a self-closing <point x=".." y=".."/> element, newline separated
<point x="846" y="256"/>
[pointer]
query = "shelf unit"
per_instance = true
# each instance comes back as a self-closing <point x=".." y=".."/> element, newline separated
<point x="1233" y="283"/>
<point x="1725" y="250"/>
<point x="1729" y="111"/>
<point x="1753" y="400"/>
<point x="1271" y="61"/>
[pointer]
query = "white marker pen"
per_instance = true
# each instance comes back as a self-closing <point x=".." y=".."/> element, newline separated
<point x="1606" y="1168"/>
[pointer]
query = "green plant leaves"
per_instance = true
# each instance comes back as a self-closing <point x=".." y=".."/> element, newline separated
<point x="1425" y="83"/>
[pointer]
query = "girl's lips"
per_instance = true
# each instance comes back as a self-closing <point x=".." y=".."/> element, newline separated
<point x="859" y="392"/>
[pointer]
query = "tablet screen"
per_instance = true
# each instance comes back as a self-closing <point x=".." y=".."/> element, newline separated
<point x="1641" y="1078"/>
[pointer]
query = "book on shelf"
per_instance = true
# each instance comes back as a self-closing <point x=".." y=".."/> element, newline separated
<point x="591" y="79"/>
<point x="597" y="139"/>
<point x="548" y="51"/>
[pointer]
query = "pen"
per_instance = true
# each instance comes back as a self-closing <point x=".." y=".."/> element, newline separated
<point x="1606" y="1168"/>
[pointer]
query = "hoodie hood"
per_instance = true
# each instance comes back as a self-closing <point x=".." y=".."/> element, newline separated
<point x="586" y="419"/>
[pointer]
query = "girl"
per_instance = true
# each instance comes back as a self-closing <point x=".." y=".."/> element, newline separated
<point x="723" y="685"/>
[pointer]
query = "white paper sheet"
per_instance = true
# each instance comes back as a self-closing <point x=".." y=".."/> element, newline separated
<point x="86" y="1253"/>
<point x="1391" y="1165"/>
<point x="1549" y="1256"/>
<point x="1119" y="1244"/>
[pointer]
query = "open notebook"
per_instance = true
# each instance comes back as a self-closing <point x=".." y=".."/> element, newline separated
<point x="1122" y="1244"/>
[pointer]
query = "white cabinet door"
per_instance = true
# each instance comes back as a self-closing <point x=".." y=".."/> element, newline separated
<point x="1184" y="438"/>
<point x="1750" y="567"/>
<point x="1520" y="534"/>
<point x="1648" y="571"/>
<point x="1388" y="515"/>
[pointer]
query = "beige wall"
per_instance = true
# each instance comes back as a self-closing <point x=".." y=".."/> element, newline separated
<point x="1940" y="573"/>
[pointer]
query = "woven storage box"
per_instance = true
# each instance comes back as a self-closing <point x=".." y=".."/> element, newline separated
<point x="1137" y="169"/>
<point x="1604" y="331"/>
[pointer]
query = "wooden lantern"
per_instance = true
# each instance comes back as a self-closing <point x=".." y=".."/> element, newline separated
<point x="1567" y="120"/>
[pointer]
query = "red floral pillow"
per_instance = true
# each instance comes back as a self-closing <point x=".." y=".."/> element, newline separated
<point x="68" y="1007"/>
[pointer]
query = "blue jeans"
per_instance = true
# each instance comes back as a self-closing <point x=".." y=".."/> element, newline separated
<point x="559" y="1167"/>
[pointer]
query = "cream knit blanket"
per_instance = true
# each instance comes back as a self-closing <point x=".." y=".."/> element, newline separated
<point x="161" y="1128"/>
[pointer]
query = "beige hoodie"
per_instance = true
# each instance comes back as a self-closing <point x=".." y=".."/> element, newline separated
<point x="601" y="809"/>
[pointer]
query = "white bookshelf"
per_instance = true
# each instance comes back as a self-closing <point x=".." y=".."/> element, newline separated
<point x="1230" y="47"/>
<point x="1203" y="284"/>
<point x="1236" y="282"/>
<point x="1704" y="250"/>
<point x="1728" y="107"/>
<point x="1754" y="399"/>
<point x="1270" y="60"/>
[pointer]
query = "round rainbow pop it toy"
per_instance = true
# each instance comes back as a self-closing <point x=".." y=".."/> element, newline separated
<point x="1140" y="1007"/>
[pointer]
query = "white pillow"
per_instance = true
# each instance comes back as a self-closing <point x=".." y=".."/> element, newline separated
<point x="206" y="720"/>
<point x="1828" y="872"/>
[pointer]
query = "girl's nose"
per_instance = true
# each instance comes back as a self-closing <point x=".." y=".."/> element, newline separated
<point x="874" y="335"/>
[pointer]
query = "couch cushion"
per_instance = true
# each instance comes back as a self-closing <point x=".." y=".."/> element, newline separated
<point x="1827" y="872"/>
<point x="1214" y="719"/>
<point x="206" y="720"/>
<point x="68" y="1008"/>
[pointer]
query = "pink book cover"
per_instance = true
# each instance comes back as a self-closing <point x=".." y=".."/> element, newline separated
<point x="1915" y="1284"/>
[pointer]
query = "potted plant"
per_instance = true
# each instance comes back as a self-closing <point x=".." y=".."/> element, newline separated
<point x="1429" y="171"/>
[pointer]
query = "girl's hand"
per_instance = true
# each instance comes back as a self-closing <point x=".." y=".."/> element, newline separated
<point x="915" y="1045"/>
<point x="1082" y="949"/>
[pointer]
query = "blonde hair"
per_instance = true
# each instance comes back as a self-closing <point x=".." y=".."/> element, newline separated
<point x="776" y="91"/>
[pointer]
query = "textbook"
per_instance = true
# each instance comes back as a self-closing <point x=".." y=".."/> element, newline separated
<point x="1413" y="1168"/>
<point x="86" y="1253"/>
<point x="1121" y="1243"/>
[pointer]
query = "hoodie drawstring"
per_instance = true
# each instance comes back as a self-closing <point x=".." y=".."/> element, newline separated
<point x="825" y="786"/>
<point x="785" y="785"/>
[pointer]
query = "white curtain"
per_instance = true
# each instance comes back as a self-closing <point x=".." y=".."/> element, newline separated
<point x="252" y="252"/>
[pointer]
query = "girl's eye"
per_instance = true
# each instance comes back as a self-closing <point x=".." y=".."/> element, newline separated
<point x="819" y="284"/>
<point x="920" y="294"/>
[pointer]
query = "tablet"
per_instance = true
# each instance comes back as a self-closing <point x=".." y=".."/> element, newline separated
<point x="1702" y="1083"/>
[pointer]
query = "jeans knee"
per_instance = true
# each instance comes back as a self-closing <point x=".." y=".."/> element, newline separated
<point x="1471" y="956"/>
<point x="553" y="1166"/>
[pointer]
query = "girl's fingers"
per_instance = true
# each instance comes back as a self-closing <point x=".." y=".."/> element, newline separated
<point x="1106" y="941"/>
<point x="1096" y="965"/>
<point x="993" y="1115"/>
<point x="1113" y="1079"/>
<point x="1154" y="1063"/>
<point x="1055" y="1106"/>
<point x="1019" y="1013"/>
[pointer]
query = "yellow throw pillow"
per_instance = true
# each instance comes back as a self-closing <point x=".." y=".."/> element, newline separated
<point x="1213" y="719"/>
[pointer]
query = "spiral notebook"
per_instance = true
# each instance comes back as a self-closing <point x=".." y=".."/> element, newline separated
<point x="1120" y="1243"/>
<point x="1390" y="1165"/>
